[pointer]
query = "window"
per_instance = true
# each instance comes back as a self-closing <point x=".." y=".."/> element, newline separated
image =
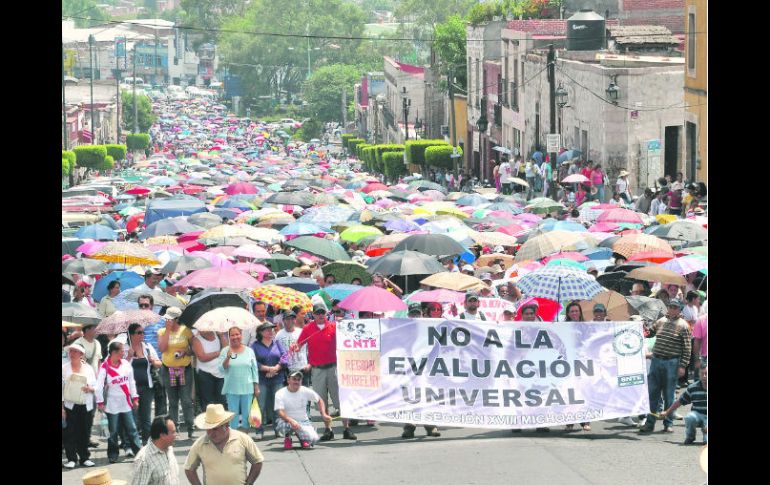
<point x="470" y="82"/>
<point x="691" y="42"/>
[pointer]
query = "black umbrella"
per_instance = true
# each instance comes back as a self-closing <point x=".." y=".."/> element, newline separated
<point x="210" y="299"/>
<point x="680" y="230"/>
<point x="616" y="281"/>
<point x="404" y="262"/>
<point x="649" y="308"/>
<point x="607" y="243"/>
<point x="399" y="194"/>
<point x="83" y="266"/>
<point x="69" y="246"/>
<point x="300" y="284"/>
<point x="303" y="199"/>
<point x="185" y="264"/>
<point x="433" y="244"/>
<point x="205" y="219"/>
<point x="172" y="225"/>
<point x="77" y="313"/>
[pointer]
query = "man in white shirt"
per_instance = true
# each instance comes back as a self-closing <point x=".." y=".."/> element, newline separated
<point x="472" y="308"/>
<point x="151" y="279"/>
<point x="291" y="406"/>
<point x="505" y="176"/>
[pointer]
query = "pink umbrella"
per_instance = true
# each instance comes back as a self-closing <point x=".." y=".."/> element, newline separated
<point x="251" y="251"/>
<point x="138" y="190"/>
<point x="90" y="247"/>
<point x="603" y="227"/>
<point x="601" y="236"/>
<point x="373" y="299"/>
<point x="216" y="260"/>
<point x="254" y="269"/>
<point x="686" y="265"/>
<point x="240" y="188"/>
<point x="603" y="207"/>
<point x="512" y="229"/>
<point x="501" y="214"/>
<point x="618" y="215"/>
<point x="190" y="236"/>
<point x="575" y="178"/>
<point x="574" y="256"/>
<point x="218" y="278"/>
<point x="434" y="194"/>
<point x="222" y="250"/>
<point x="441" y="296"/>
<point x="528" y="217"/>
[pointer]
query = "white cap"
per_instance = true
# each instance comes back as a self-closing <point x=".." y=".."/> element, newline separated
<point x="468" y="267"/>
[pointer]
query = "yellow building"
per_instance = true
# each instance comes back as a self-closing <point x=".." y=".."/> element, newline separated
<point x="461" y="120"/>
<point x="696" y="90"/>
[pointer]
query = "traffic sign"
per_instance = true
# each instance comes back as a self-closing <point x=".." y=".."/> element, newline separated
<point x="553" y="142"/>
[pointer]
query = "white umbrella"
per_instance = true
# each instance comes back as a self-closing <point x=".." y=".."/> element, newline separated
<point x="224" y="318"/>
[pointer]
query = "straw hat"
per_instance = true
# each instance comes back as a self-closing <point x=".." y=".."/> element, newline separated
<point x="622" y="173"/>
<point x="101" y="476"/>
<point x="214" y="416"/>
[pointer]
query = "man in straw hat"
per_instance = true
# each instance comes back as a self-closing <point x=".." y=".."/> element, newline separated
<point x="222" y="451"/>
<point x="101" y="476"/>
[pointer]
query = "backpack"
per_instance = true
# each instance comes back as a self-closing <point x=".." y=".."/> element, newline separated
<point x="481" y="316"/>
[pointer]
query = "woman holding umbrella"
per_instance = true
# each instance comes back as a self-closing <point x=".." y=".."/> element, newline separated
<point x="239" y="366"/>
<point x="270" y="358"/>
<point x="143" y="358"/>
<point x="209" y="380"/>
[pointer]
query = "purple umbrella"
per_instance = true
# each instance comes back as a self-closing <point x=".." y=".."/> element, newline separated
<point x="401" y="225"/>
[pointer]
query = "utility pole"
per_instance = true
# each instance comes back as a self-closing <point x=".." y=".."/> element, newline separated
<point x="155" y="59"/>
<point x="406" y="103"/>
<point x="91" y="41"/>
<point x="65" y="140"/>
<point x="117" y="101"/>
<point x="136" y="119"/>
<point x="307" y="33"/>
<point x="453" y="128"/>
<point x="344" y="109"/>
<point x="552" y="103"/>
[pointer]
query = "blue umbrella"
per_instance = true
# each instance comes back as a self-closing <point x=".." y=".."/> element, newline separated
<point x="96" y="231"/>
<point x="598" y="253"/>
<point x="568" y="155"/>
<point x="537" y="156"/>
<point x="356" y="185"/>
<point x="559" y="283"/>
<point x="235" y="204"/>
<point x="225" y="213"/>
<point x="401" y="225"/>
<point x="472" y="200"/>
<point x="556" y="225"/>
<point x="341" y="291"/>
<point x="128" y="279"/>
<point x="172" y="225"/>
<point x="109" y="222"/>
<point x="303" y="229"/>
<point x="506" y="207"/>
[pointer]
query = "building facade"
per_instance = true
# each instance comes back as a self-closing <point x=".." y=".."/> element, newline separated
<point x="696" y="91"/>
<point x="402" y="81"/>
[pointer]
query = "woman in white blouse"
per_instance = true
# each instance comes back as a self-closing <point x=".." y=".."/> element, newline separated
<point x="78" y="412"/>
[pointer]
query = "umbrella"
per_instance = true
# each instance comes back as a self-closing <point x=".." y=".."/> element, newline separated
<point x="300" y="284"/>
<point x="75" y="312"/>
<point x="616" y="281"/>
<point x="440" y="296"/>
<point x="454" y="281"/>
<point x="345" y="272"/>
<point x="505" y="260"/>
<point x="618" y="308"/>
<point x="210" y="299"/>
<point x="472" y="200"/>
<point x="222" y="319"/>
<point x="83" y="266"/>
<point x="493" y="239"/>
<point x="619" y="215"/>
<point x="322" y="247"/>
<point x="127" y="280"/>
<point x="657" y="273"/>
<point x="559" y="283"/>
<point x="224" y="232"/>
<point x="251" y="251"/>
<point x="598" y="253"/>
<point x="282" y="298"/>
<point x="129" y="254"/>
<point x="575" y="178"/>
<point x="682" y="230"/>
<point x="556" y="225"/>
<point x="119" y="321"/>
<point x="127" y="299"/>
<point x="651" y="309"/>
<point x="433" y="244"/>
<point x="566" y="262"/>
<point x="241" y="188"/>
<point x="551" y="242"/>
<point x="652" y="256"/>
<point x="69" y="246"/>
<point x="427" y="185"/>
<point x="373" y="299"/>
<point x="405" y="262"/>
<point x="172" y="225"/>
<point x="96" y="231"/>
<point x="205" y="219"/>
<point x="686" y="264"/>
<point x="574" y="256"/>
<point x="280" y="262"/>
<point x="568" y="155"/>
<point x="547" y="309"/>
<point x="358" y="232"/>
<point x="629" y="245"/>
<point x="218" y="278"/>
<point x="303" y="199"/>
<point x="340" y="291"/>
<point x="185" y="264"/>
<point x="544" y="206"/>
<point x="304" y="229"/>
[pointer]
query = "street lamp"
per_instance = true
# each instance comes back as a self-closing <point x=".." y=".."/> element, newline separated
<point x="613" y="91"/>
<point x="406" y="103"/>
<point x="482" y="123"/>
<point x="561" y="101"/>
<point x="91" y="41"/>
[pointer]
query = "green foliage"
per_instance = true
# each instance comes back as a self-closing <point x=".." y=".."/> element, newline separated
<point x="369" y="158"/>
<point x="381" y="149"/>
<point x="449" y="43"/>
<point x="415" y="149"/>
<point x="360" y="150"/>
<point x="108" y="163"/>
<point x="323" y="90"/>
<point x="208" y="15"/>
<point x="440" y="156"/>
<point x="432" y="12"/>
<point x="117" y="152"/>
<point x="90" y="156"/>
<point x="84" y="9"/>
<point x="353" y="142"/>
<point x="69" y="155"/>
<point x="345" y="138"/>
<point x="143" y="107"/>
<point x="138" y="141"/>
<point x="393" y="164"/>
<point x="485" y="12"/>
<point x="312" y="128"/>
<point x="66" y="167"/>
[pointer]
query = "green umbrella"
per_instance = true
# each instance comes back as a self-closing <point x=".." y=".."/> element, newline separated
<point x="344" y="272"/>
<point x="320" y="247"/>
<point x="544" y="206"/>
<point x="325" y="296"/>
<point x="280" y="262"/>
<point x="566" y="262"/>
<point x="358" y="232"/>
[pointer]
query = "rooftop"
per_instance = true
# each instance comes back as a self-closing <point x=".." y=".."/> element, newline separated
<point x="642" y="34"/>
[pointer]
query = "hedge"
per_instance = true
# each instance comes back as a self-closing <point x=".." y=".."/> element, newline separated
<point x="66" y="168"/>
<point x="345" y="138"/>
<point x="90" y="156"/>
<point x="415" y="149"/>
<point x="360" y="150"/>
<point x="69" y="155"/>
<point x="440" y="156"/>
<point x="353" y="142"/>
<point x="108" y="163"/>
<point x="387" y="148"/>
<point x="394" y="164"/>
<point x="137" y="141"/>
<point x="117" y="152"/>
<point x="368" y="158"/>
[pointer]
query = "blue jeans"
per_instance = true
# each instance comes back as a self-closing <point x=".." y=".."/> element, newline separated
<point x="209" y="389"/>
<point x="600" y="193"/>
<point x="143" y="414"/>
<point x="662" y="379"/>
<point x="126" y="422"/>
<point x="267" y="390"/>
<point x="240" y="405"/>
<point x="692" y="422"/>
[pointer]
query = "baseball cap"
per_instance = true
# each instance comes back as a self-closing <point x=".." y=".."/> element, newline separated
<point x="173" y="312"/>
<point x="77" y="347"/>
<point x="289" y="314"/>
<point x="82" y="283"/>
<point x="297" y="373"/>
<point x="600" y="308"/>
<point x="471" y="295"/>
<point x="676" y="303"/>
<point x="319" y="307"/>
<point x="468" y="267"/>
<point x="415" y="307"/>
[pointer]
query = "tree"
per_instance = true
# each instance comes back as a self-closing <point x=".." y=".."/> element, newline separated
<point x="433" y="12"/>
<point x="323" y="90"/>
<point x="81" y="11"/>
<point x="208" y="15"/>
<point x="312" y="128"/>
<point x="117" y="152"/>
<point x="90" y="156"/>
<point x="144" y="111"/>
<point x="138" y="141"/>
<point x="449" y="43"/>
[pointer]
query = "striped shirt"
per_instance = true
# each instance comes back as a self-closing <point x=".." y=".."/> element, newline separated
<point x="696" y="395"/>
<point x="153" y="466"/>
<point x="673" y="340"/>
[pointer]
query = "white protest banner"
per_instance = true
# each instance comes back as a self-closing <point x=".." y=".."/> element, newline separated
<point x="490" y="375"/>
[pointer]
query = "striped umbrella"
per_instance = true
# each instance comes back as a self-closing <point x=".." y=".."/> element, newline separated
<point x="559" y="283"/>
<point x="631" y="244"/>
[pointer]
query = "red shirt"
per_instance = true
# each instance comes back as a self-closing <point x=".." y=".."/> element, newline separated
<point x="586" y="172"/>
<point x="321" y="343"/>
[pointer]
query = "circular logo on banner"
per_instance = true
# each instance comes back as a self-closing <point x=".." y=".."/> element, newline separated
<point x="628" y="342"/>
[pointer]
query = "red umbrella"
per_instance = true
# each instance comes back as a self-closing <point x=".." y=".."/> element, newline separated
<point x="134" y="222"/>
<point x="373" y="299"/>
<point x="373" y="187"/>
<point x="546" y="309"/>
<point x="191" y="245"/>
<point x="190" y="236"/>
<point x="652" y="256"/>
<point x="618" y="215"/>
<point x="240" y="188"/>
<point x="512" y="229"/>
<point x="193" y="189"/>
<point x="138" y="190"/>
<point x="574" y="256"/>
<point x="218" y="278"/>
<point x="377" y="252"/>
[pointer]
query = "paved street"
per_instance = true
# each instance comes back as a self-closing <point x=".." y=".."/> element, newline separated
<point x="610" y="454"/>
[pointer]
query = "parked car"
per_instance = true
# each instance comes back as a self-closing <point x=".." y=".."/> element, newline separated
<point x="287" y="123"/>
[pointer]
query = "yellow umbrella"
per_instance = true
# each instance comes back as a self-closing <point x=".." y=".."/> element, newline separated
<point x="242" y="230"/>
<point x="453" y="211"/>
<point x="629" y="245"/>
<point x="506" y="260"/>
<point x="454" y="281"/>
<point x="423" y="211"/>
<point x="618" y="308"/>
<point x="666" y="218"/>
<point x="282" y="297"/>
<point x="493" y="239"/>
<point x="657" y="273"/>
<point x="126" y="253"/>
<point x="70" y="325"/>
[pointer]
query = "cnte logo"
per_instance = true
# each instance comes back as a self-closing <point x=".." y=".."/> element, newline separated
<point x="579" y="27"/>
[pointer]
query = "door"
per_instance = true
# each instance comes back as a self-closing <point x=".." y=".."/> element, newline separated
<point x="691" y="150"/>
<point x="537" y="125"/>
<point x="584" y="144"/>
<point x="671" y="151"/>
